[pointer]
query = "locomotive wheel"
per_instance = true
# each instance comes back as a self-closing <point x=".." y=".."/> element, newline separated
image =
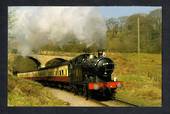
<point x="75" y="90"/>
<point x="113" y="93"/>
<point x="85" y="92"/>
<point x="108" y="93"/>
<point x="80" y="91"/>
<point x="60" y="86"/>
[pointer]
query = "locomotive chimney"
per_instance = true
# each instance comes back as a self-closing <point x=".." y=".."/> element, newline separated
<point x="100" y="53"/>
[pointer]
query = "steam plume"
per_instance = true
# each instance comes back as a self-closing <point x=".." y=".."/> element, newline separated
<point x="35" y="26"/>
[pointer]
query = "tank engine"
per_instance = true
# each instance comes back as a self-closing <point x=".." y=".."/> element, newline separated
<point x="94" y="73"/>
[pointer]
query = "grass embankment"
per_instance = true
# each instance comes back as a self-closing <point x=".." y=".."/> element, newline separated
<point x="142" y="78"/>
<point x="23" y="92"/>
<point x="28" y="93"/>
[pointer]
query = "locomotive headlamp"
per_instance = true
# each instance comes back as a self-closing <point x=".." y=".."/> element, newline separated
<point x="115" y="79"/>
<point x="91" y="56"/>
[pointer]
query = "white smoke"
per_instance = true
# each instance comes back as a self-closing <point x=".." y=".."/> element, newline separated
<point x="35" y="26"/>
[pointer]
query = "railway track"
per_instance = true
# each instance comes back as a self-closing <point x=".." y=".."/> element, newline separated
<point x="133" y="105"/>
<point x="115" y="103"/>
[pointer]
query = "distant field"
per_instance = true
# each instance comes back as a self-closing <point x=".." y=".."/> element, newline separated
<point x="141" y="76"/>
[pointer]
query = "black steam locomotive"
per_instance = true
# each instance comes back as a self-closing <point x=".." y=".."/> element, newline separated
<point x="85" y="74"/>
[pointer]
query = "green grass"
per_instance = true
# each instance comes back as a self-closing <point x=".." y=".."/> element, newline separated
<point x="139" y="90"/>
<point x="28" y="93"/>
<point x="141" y="76"/>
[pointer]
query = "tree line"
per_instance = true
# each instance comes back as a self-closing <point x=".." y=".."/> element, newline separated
<point x="122" y="33"/>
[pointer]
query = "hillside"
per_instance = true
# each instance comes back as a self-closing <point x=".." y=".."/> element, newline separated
<point x="141" y="76"/>
<point x="28" y="93"/>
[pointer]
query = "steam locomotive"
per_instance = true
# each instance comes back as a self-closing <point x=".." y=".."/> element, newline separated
<point x="86" y="74"/>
